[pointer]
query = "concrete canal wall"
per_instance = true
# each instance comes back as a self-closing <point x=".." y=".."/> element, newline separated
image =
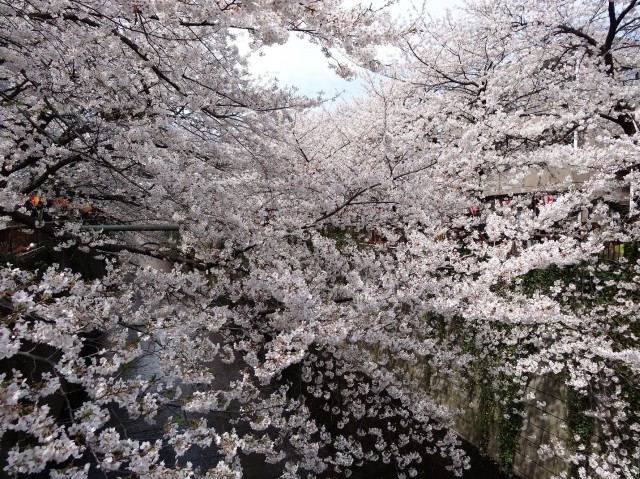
<point x="542" y="420"/>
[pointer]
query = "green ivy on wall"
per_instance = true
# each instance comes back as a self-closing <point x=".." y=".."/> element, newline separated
<point x="581" y="427"/>
<point x="498" y="416"/>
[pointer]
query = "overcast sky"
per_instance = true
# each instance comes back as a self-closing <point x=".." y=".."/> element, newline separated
<point x="301" y="64"/>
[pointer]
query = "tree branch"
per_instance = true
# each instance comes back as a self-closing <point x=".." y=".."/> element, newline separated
<point x="343" y="205"/>
<point x="579" y="33"/>
<point x="154" y="68"/>
<point x="48" y="172"/>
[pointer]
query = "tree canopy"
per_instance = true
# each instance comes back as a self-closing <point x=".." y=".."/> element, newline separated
<point x="475" y="214"/>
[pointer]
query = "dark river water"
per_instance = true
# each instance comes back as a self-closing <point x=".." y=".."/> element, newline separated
<point x="254" y="466"/>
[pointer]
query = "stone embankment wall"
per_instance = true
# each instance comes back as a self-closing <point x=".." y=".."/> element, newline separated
<point x="544" y="421"/>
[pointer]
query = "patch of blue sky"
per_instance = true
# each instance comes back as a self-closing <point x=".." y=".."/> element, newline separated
<point x="301" y="64"/>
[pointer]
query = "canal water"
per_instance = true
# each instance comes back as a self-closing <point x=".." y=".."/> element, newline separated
<point x="254" y="466"/>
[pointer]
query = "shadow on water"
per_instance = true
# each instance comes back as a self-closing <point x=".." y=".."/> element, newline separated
<point x="434" y="467"/>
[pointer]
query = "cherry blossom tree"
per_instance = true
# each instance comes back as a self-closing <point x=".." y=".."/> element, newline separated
<point x="494" y="176"/>
<point x="144" y="112"/>
<point x="328" y="258"/>
<point x="508" y="142"/>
